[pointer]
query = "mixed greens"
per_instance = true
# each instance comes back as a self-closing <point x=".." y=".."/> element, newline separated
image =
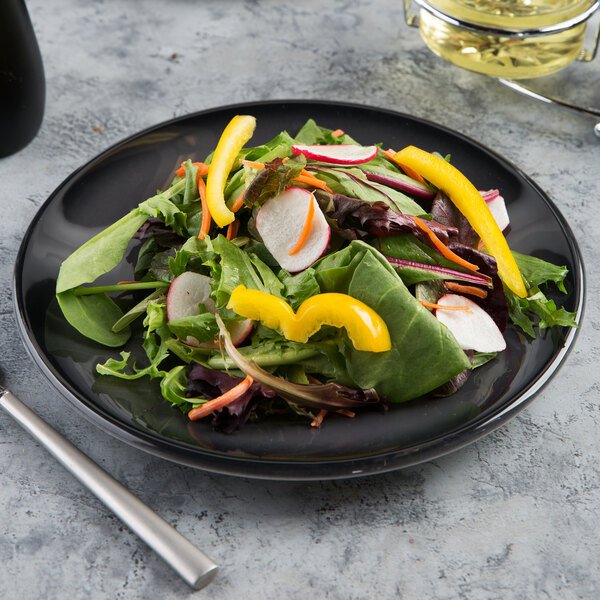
<point x="371" y="249"/>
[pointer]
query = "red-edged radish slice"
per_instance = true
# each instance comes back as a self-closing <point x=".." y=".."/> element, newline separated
<point x="337" y="154"/>
<point x="280" y="222"/>
<point x="498" y="209"/>
<point x="189" y="290"/>
<point x="473" y="329"/>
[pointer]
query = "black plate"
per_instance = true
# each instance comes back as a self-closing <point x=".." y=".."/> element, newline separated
<point x="107" y="187"/>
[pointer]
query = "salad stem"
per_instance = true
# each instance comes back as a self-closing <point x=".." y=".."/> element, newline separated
<point x="120" y="287"/>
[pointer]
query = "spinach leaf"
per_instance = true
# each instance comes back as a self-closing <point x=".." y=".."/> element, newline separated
<point x="311" y="133"/>
<point x="100" y="254"/>
<point x="94" y="316"/>
<point x="424" y="353"/>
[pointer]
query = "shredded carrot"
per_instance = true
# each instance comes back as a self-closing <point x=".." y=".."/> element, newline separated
<point x="319" y="419"/>
<point x="410" y="172"/>
<point x="442" y="306"/>
<point x="205" y="225"/>
<point x="312" y="180"/>
<point x="220" y="401"/>
<point x="347" y="413"/>
<point x="202" y="169"/>
<point x="126" y="282"/>
<point x="232" y="230"/>
<point x="304" y="177"/>
<point x="306" y="228"/>
<point x="239" y="201"/>
<point x="444" y="250"/>
<point x="466" y="289"/>
<point x="257" y="165"/>
<point x="252" y="164"/>
<point x="337" y="133"/>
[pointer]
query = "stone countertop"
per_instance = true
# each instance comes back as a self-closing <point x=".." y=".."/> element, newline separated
<point x="514" y="515"/>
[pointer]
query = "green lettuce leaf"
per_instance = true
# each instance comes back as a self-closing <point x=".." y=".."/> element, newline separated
<point x="537" y="310"/>
<point x="424" y="353"/>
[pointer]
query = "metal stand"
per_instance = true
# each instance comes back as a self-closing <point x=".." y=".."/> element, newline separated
<point x="586" y="54"/>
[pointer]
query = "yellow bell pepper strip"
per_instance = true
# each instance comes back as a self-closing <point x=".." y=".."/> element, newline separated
<point x="236" y="134"/>
<point x="365" y="328"/>
<point x="271" y="311"/>
<point x="470" y="203"/>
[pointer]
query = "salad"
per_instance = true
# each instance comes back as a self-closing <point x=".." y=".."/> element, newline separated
<point x="310" y="275"/>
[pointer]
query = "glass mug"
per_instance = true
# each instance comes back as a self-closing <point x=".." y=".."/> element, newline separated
<point x="513" y="39"/>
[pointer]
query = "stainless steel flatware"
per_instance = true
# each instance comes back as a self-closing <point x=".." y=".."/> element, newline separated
<point x="191" y="564"/>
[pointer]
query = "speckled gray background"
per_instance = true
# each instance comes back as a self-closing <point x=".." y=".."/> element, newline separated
<point x="514" y="515"/>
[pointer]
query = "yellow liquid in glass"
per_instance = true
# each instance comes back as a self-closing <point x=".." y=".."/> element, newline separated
<point x="501" y="56"/>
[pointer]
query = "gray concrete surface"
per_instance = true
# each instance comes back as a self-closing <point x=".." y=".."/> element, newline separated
<point x="512" y="516"/>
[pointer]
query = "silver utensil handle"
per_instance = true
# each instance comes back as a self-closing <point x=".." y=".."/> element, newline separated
<point x="192" y="564"/>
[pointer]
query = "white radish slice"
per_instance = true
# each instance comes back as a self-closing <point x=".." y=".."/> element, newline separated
<point x="337" y="154"/>
<point x="498" y="209"/>
<point x="473" y="329"/>
<point x="280" y="222"/>
<point x="186" y="293"/>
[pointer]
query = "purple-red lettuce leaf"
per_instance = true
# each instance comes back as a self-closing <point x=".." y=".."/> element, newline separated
<point x="412" y="272"/>
<point x="402" y="183"/>
<point x="495" y="304"/>
<point x="210" y="383"/>
<point x="444" y="211"/>
<point x="273" y="180"/>
<point x="354" y="219"/>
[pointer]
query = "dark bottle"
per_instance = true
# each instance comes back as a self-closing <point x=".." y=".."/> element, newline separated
<point x="22" y="85"/>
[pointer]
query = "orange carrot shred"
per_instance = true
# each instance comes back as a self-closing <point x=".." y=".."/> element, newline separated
<point x="304" y="177"/>
<point x="206" y="219"/>
<point x="232" y="230"/>
<point x="202" y="169"/>
<point x="306" y="228"/>
<point x="442" y="306"/>
<point x="126" y="282"/>
<point x="466" y="289"/>
<point x="312" y="180"/>
<point x="253" y="164"/>
<point x="443" y="250"/>
<point x="319" y="419"/>
<point x="337" y="133"/>
<point x="220" y="401"/>
<point x="239" y="201"/>
<point x="410" y="172"/>
<point x="347" y="413"/>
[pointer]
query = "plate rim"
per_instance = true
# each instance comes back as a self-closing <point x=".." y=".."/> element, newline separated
<point x="217" y="462"/>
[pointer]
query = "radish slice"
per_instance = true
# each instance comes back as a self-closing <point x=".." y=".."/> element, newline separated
<point x="473" y="329"/>
<point x="498" y="209"/>
<point x="280" y="221"/>
<point x="185" y="294"/>
<point x="337" y="154"/>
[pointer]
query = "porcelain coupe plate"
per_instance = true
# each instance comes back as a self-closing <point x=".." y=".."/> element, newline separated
<point x="107" y="187"/>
